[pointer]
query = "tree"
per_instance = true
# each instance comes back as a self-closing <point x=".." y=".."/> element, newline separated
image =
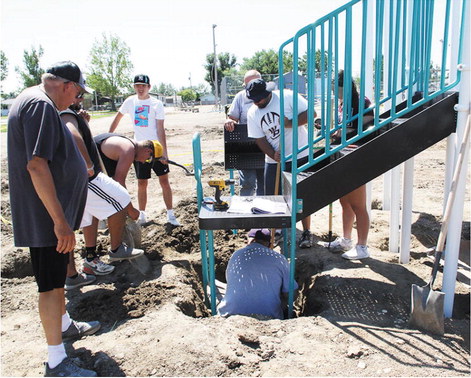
<point x="266" y="62"/>
<point x="3" y="66"/>
<point x="317" y="62"/>
<point x="164" y="89"/>
<point x="110" y="67"/>
<point x="226" y="66"/>
<point x="187" y="94"/>
<point x="32" y="71"/>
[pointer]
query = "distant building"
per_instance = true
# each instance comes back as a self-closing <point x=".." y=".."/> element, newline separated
<point x="6" y="105"/>
<point x="208" y="99"/>
<point x="288" y="82"/>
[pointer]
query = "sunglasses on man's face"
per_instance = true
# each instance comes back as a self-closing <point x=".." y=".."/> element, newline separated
<point x="81" y="91"/>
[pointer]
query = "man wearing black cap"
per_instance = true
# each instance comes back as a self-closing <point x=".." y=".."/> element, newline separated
<point x="257" y="279"/>
<point x="263" y="124"/>
<point x="48" y="189"/>
<point x="147" y="114"/>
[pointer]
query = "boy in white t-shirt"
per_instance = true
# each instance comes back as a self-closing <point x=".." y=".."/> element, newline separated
<point x="147" y="114"/>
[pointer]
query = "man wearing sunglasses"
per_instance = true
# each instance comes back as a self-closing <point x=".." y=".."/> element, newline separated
<point x="48" y="191"/>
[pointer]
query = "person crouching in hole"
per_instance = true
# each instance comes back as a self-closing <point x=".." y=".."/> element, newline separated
<point x="257" y="279"/>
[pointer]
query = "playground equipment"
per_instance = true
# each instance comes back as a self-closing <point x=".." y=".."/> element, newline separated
<point x="414" y="105"/>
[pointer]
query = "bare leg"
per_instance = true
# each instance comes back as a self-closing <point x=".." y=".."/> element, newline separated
<point x="348" y="216"/>
<point x="116" y="226"/>
<point x="90" y="233"/>
<point x="51" y="308"/>
<point x="71" y="269"/>
<point x="354" y="205"/>
<point x="358" y="201"/>
<point x="306" y="222"/>
<point x="142" y="193"/>
<point x="166" y="191"/>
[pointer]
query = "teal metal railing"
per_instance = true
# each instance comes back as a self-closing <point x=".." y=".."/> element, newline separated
<point x="396" y="47"/>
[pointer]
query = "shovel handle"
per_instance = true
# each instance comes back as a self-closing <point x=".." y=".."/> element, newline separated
<point x="454" y="184"/>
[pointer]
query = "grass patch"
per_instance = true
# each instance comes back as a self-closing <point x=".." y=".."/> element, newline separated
<point x="96" y="115"/>
<point x="3" y="128"/>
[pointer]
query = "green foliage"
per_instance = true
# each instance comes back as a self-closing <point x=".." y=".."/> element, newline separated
<point x="266" y="62"/>
<point x="110" y="67"/>
<point x="3" y="66"/>
<point x="226" y="66"/>
<point x="31" y="75"/>
<point x="187" y="94"/>
<point x="317" y="64"/>
<point x="164" y="89"/>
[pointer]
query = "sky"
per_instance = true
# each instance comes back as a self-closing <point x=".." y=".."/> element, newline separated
<point x="169" y="40"/>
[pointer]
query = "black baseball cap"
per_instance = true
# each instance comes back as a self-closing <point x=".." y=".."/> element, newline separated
<point x="69" y="71"/>
<point x="141" y="79"/>
<point x="262" y="234"/>
<point x="258" y="89"/>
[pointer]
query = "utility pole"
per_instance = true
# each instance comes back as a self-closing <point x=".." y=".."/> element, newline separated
<point x="189" y="78"/>
<point x="215" y="68"/>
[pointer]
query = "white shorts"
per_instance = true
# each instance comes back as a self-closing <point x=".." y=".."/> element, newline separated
<point x="105" y="197"/>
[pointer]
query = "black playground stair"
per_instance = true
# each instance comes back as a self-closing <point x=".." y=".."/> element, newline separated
<point x="397" y="142"/>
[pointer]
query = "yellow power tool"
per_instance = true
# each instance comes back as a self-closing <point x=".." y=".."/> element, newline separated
<point x="220" y="205"/>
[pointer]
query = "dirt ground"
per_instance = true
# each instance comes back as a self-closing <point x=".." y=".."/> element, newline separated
<point x="352" y="315"/>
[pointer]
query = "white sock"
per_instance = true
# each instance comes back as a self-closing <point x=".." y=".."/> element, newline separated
<point x="55" y="355"/>
<point x="66" y="321"/>
<point x="170" y="213"/>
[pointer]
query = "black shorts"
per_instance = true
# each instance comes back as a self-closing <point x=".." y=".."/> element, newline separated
<point x="143" y="169"/>
<point x="49" y="267"/>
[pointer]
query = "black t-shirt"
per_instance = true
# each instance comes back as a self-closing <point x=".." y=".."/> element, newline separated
<point x="88" y="141"/>
<point x="35" y="129"/>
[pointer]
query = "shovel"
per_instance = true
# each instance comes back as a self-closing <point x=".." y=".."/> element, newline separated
<point x="187" y="172"/>
<point x="132" y="237"/>
<point x="427" y="304"/>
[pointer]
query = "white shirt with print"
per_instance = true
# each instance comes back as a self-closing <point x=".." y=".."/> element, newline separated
<point x="144" y="115"/>
<point x="265" y="122"/>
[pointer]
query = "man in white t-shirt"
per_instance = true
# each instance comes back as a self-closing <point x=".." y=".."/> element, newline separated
<point x="147" y="114"/>
<point x="263" y="124"/>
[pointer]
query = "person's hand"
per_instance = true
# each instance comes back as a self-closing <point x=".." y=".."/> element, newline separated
<point x="84" y="114"/>
<point x="133" y="213"/>
<point x="65" y="238"/>
<point x="288" y="123"/>
<point x="229" y="125"/>
<point x="277" y="156"/>
<point x="164" y="159"/>
<point x="91" y="170"/>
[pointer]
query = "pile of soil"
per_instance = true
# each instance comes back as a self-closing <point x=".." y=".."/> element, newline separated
<point x="350" y="317"/>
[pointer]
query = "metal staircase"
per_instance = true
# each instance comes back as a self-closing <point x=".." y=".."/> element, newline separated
<point x="395" y="143"/>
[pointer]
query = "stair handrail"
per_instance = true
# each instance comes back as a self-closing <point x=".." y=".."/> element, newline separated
<point x="413" y="40"/>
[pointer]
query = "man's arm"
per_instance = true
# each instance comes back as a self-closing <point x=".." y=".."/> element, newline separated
<point x="115" y="122"/>
<point x="43" y="183"/>
<point x="302" y="120"/>
<point x="229" y="124"/>
<point x="267" y="149"/>
<point x="72" y="124"/>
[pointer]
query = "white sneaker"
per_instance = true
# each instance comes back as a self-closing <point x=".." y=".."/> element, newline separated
<point x="142" y="218"/>
<point x="341" y="244"/>
<point x="97" y="267"/>
<point x="172" y="219"/>
<point x="357" y="253"/>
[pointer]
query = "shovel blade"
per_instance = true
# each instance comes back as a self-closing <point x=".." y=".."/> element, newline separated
<point x="427" y="309"/>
